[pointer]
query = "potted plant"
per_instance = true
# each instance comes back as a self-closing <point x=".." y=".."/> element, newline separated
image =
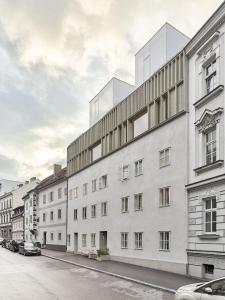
<point x="102" y="254"/>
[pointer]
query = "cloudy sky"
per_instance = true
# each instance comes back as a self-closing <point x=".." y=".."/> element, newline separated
<point x="55" y="55"/>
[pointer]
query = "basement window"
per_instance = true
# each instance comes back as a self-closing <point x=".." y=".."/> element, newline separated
<point x="209" y="269"/>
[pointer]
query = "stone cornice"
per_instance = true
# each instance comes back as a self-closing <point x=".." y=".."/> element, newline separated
<point x="206" y="31"/>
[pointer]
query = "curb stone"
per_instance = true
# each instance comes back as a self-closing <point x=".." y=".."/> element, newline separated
<point x="155" y="286"/>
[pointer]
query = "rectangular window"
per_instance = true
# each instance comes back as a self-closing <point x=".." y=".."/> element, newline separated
<point x="164" y="157"/>
<point x="210" y="146"/>
<point x="124" y="204"/>
<point x="124" y="240"/>
<point x="85" y="189"/>
<point x="44" y="217"/>
<point x="68" y="239"/>
<point x="59" y="236"/>
<point x="103" y="182"/>
<point x="93" y="211"/>
<point x="75" y="214"/>
<point x="125" y="172"/>
<point x="70" y="194"/>
<point x="138" y="239"/>
<point x="209" y="269"/>
<point x="138" y="202"/>
<point x="94" y="185"/>
<point x="84" y="212"/>
<point x="164" y="196"/>
<point x="164" y="240"/>
<point x="104" y="208"/>
<point x="210" y="215"/>
<point x="211" y="76"/>
<point x="44" y="199"/>
<point x="59" y="193"/>
<point x="51" y="215"/>
<point x="59" y="213"/>
<point x="51" y="196"/>
<point x="139" y="167"/>
<point x="84" y="240"/>
<point x="75" y="192"/>
<point x="52" y="236"/>
<point x="93" y="235"/>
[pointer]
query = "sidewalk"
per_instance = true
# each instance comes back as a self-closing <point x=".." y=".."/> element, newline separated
<point x="159" y="279"/>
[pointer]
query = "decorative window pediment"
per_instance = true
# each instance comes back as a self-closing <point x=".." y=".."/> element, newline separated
<point x="208" y="119"/>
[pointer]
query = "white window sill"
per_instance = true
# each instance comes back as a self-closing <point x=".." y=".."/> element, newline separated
<point x="209" y="236"/>
<point x="216" y="164"/>
<point x="215" y="92"/>
<point x="164" y="250"/>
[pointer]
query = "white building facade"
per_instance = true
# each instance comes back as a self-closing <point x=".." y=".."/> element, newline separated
<point x="127" y="176"/>
<point x="52" y="210"/>
<point x="7" y="186"/>
<point x="18" y="223"/>
<point x="5" y="215"/>
<point x="206" y="182"/>
<point x="31" y="215"/>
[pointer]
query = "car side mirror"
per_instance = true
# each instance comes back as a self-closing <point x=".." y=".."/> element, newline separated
<point x="208" y="290"/>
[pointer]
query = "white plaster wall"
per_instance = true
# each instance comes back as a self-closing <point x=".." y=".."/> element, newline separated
<point x="195" y="93"/>
<point x="165" y="44"/>
<point x="56" y="225"/>
<point x="152" y="219"/>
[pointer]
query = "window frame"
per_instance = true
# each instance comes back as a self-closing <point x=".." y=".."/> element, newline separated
<point x="213" y="212"/>
<point x="104" y="209"/>
<point x="164" y="196"/>
<point x="138" y="242"/>
<point x="138" y="198"/>
<point x="137" y="170"/>
<point x="164" y="240"/>
<point x="125" y="208"/>
<point x="164" y="158"/>
<point x="124" y="240"/>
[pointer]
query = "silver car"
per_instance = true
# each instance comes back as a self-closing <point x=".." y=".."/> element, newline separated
<point x="213" y="290"/>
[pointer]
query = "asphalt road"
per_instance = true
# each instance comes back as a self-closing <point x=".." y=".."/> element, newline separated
<point x="41" y="278"/>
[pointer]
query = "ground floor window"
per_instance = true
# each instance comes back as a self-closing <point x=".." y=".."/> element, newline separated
<point x="59" y="236"/>
<point x="124" y="240"/>
<point x="84" y="240"/>
<point x="68" y="239"/>
<point x="164" y="240"/>
<point x="138" y="238"/>
<point x="210" y="215"/>
<point x="93" y="235"/>
<point x="52" y="236"/>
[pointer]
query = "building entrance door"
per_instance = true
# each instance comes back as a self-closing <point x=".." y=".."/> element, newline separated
<point x="103" y="240"/>
<point x="44" y="238"/>
<point x="75" y="242"/>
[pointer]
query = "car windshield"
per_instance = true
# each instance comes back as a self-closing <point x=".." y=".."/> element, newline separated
<point x="29" y="244"/>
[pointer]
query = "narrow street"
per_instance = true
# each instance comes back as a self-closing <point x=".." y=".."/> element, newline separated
<point x="31" y="278"/>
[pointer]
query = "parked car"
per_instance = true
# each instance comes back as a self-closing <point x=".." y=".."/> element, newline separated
<point x="7" y="244"/>
<point x="29" y="248"/>
<point x="1" y="239"/>
<point x="213" y="290"/>
<point x="4" y="243"/>
<point x="14" y="245"/>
